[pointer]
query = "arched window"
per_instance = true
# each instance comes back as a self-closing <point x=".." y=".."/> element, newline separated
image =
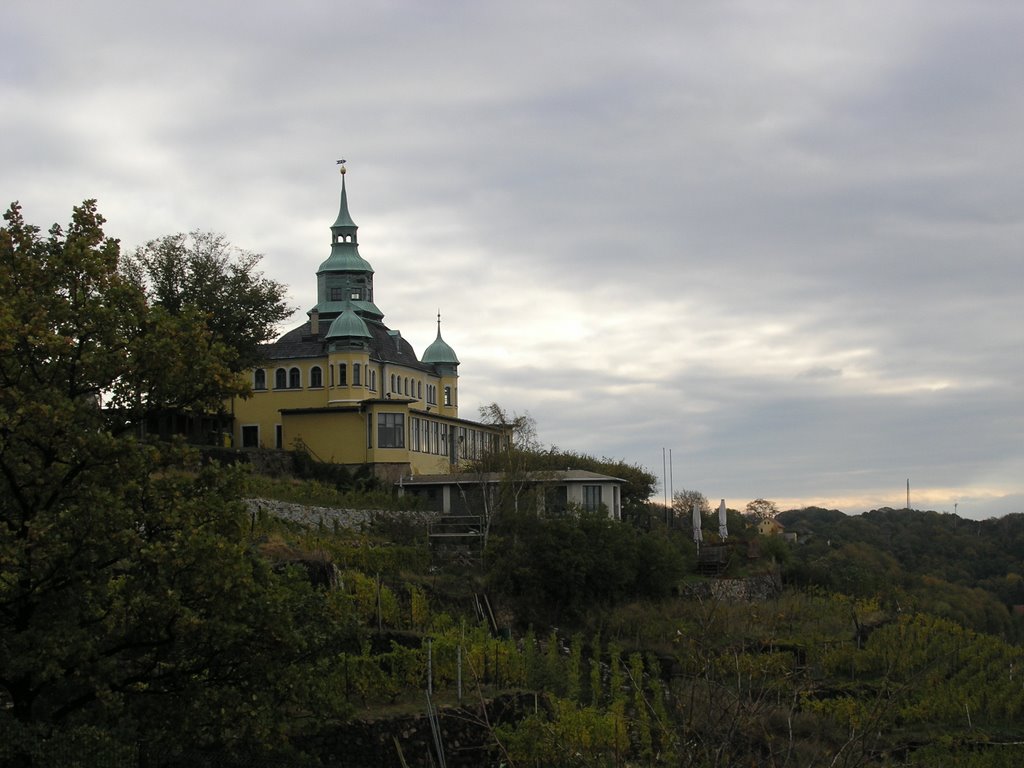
<point x="407" y="385"/>
<point x="331" y="367"/>
<point x="355" y="374"/>
<point x="294" y="379"/>
<point x="373" y="381"/>
<point x="392" y="383"/>
<point x="316" y="376"/>
<point x="280" y="379"/>
<point x="419" y="390"/>
<point x="259" y="379"/>
<point x="342" y="375"/>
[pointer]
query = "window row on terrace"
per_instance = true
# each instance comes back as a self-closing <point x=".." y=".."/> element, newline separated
<point x="340" y="375"/>
<point x="442" y="439"/>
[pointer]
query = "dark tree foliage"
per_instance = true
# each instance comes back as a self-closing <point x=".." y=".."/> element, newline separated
<point x="131" y="607"/>
<point x="339" y="476"/>
<point x="552" y="570"/>
<point x="202" y="272"/>
<point x="965" y="570"/>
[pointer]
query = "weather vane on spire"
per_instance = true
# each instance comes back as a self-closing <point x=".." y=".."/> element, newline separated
<point x="342" y="164"/>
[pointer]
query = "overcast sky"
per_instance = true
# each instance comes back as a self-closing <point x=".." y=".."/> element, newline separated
<point x="780" y="239"/>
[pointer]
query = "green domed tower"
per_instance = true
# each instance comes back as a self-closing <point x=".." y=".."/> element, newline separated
<point x="440" y="355"/>
<point x="345" y="275"/>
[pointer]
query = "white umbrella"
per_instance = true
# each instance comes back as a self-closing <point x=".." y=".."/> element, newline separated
<point x="723" y="527"/>
<point x="697" y="537"/>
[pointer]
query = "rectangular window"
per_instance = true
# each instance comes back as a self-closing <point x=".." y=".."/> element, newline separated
<point x="556" y="500"/>
<point x="591" y="497"/>
<point x="391" y="430"/>
<point x="437" y="437"/>
<point x="447" y="395"/>
<point x="251" y="436"/>
<point x="278" y="436"/>
<point x="337" y="294"/>
<point x="415" y="433"/>
<point x="442" y="440"/>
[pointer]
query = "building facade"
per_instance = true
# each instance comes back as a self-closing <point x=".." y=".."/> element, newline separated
<point x="549" y="493"/>
<point x="352" y="391"/>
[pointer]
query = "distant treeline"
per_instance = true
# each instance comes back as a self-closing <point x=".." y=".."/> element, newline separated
<point x="970" y="571"/>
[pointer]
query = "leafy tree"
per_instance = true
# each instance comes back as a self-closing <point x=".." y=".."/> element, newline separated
<point x="763" y="509"/>
<point x="202" y="272"/>
<point x="682" y="505"/>
<point x="511" y="458"/>
<point x="130" y="603"/>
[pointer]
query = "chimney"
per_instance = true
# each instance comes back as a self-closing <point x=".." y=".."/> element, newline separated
<point x="314" y="322"/>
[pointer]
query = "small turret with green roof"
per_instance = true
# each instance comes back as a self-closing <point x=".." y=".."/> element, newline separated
<point x="348" y="327"/>
<point x="439" y="353"/>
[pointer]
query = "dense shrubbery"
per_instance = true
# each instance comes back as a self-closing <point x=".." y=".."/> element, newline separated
<point x="964" y="570"/>
<point x="556" y="570"/>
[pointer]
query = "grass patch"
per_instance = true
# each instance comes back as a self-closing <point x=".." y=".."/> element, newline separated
<point x="316" y="494"/>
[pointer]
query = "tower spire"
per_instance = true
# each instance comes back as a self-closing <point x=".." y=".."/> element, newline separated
<point x="345" y="274"/>
<point x="344" y="224"/>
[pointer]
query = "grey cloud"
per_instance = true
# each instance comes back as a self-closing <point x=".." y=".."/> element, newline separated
<point x="701" y="174"/>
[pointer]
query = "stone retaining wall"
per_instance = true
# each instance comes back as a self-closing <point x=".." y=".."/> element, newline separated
<point x="754" y="588"/>
<point x="354" y="519"/>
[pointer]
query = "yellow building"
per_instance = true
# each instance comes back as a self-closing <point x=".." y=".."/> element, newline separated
<point x="353" y="391"/>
